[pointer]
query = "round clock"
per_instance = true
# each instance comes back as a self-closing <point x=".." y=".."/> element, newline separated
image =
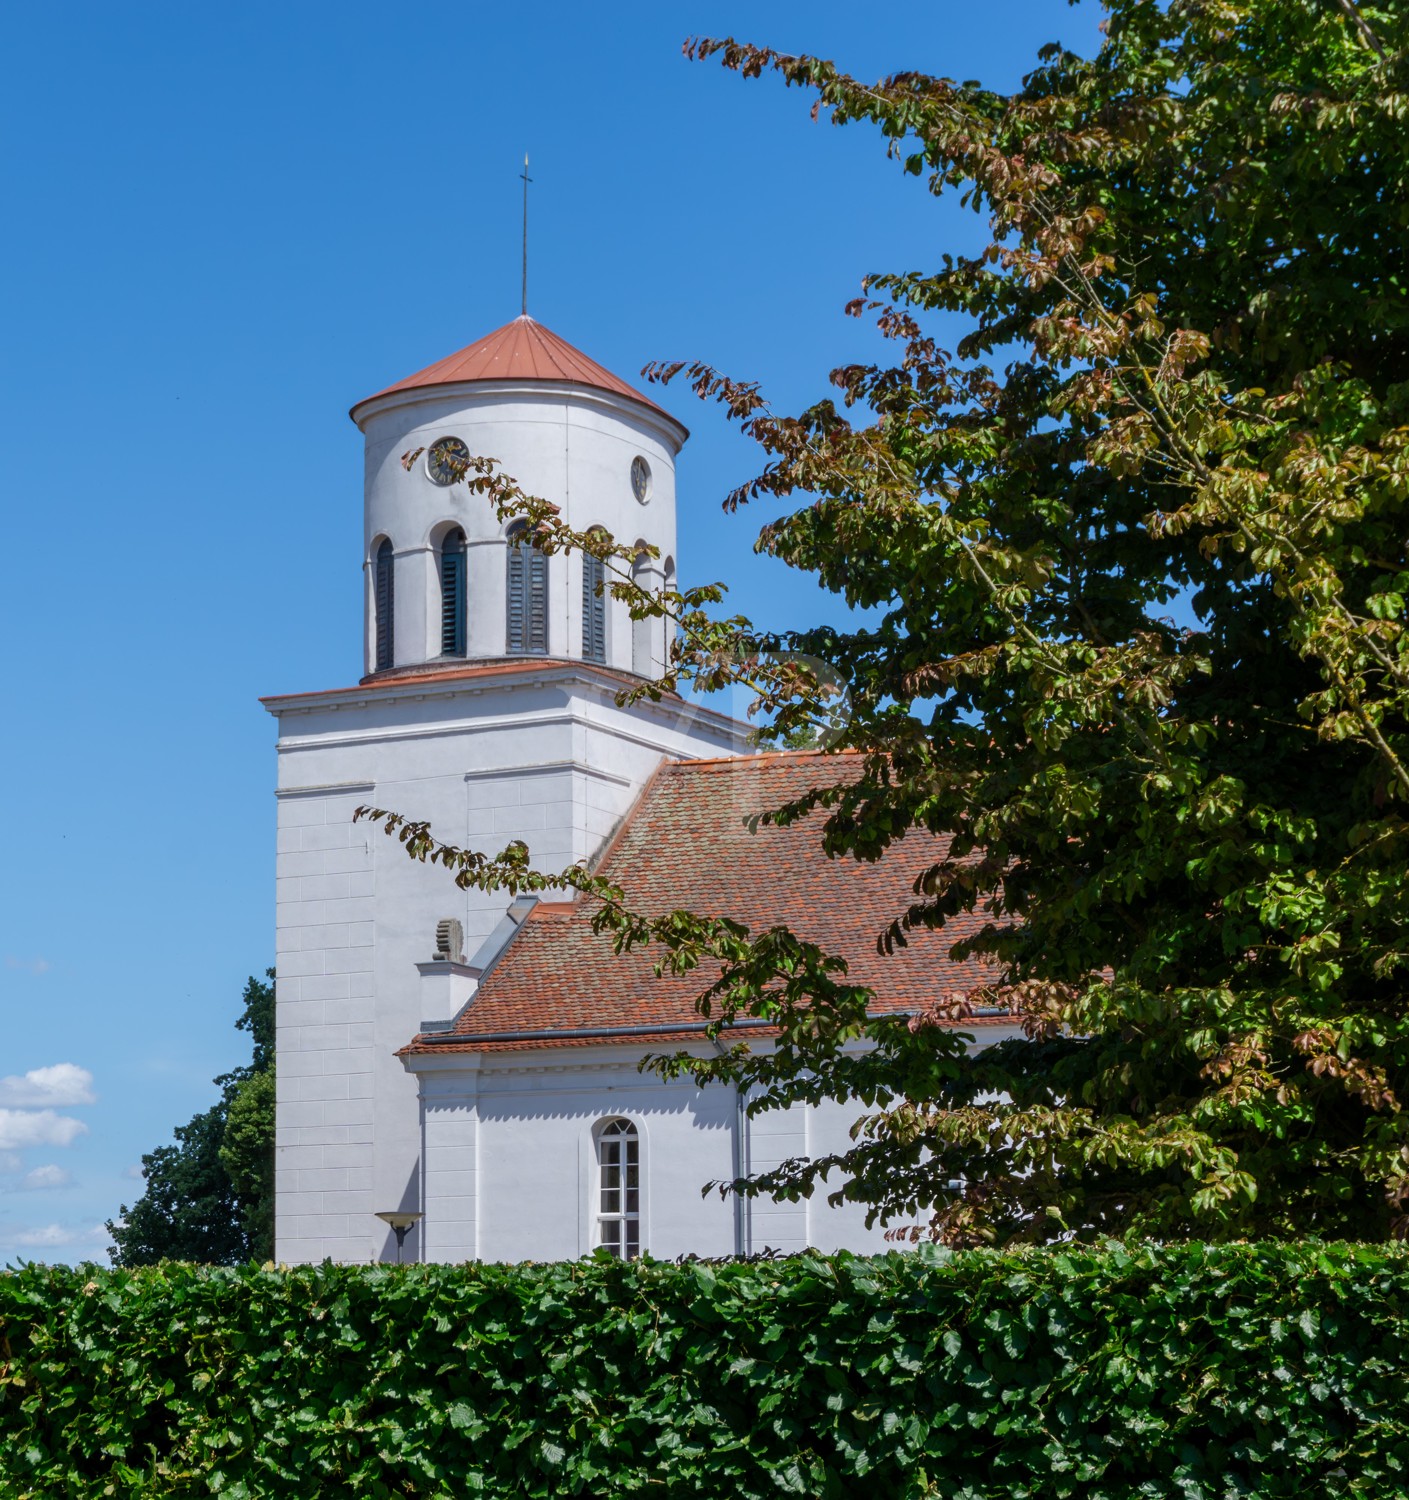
<point x="444" y="460"/>
<point x="640" y="479"/>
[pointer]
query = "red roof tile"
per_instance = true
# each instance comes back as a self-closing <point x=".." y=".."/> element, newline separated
<point x="521" y="350"/>
<point x="685" y="846"/>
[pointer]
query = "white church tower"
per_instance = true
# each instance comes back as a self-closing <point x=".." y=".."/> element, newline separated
<point x="487" y="706"/>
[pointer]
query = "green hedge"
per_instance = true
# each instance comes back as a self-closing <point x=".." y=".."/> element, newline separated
<point x="1185" y="1372"/>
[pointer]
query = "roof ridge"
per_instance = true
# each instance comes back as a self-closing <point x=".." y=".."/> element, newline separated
<point x="760" y="758"/>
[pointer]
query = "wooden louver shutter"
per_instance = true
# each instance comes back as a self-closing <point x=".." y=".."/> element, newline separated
<point x="594" y="609"/>
<point x="452" y="595"/>
<point x="385" y="603"/>
<point x="537" y="599"/>
<point x="516" y="593"/>
<point x="527" y="595"/>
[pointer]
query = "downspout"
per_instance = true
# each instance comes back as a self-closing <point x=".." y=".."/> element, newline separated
<point x="739" y="1141"/>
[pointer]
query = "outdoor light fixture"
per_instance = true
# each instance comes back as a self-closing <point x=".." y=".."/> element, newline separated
<point x="400" y="1223"/>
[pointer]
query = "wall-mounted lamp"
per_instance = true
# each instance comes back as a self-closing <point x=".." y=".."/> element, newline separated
<point x="400" y="1224"/>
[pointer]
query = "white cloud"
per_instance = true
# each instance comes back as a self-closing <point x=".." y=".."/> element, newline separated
<point x="56" y="1236"/>
<point x="134" y="1172"/>
<point x="48" y="1234"/>
<point x="62" y="1084"/>
<point x="42" y="1127"/>
<point x="49" y="1176"/>
<point x="34" y="966"/>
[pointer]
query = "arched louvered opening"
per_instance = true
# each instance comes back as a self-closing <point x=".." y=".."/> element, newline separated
<point x="642" y="631"/>
<point x="527" y="594"/>
<point x="594" y="608"/>
<point x="452" y="593"/>
<point x="384" y="597"/>
<point x="671" y="628"/>
<point x="619" y="1188"/>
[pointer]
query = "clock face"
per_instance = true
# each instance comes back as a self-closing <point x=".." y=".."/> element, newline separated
<point x="641" y="479"/>
<point x="444" y="460"/>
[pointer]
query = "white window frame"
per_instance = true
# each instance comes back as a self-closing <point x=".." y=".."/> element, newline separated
<point x="617" y="1201"/>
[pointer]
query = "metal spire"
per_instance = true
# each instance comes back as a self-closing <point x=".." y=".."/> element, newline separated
<point x="526" y="180"/>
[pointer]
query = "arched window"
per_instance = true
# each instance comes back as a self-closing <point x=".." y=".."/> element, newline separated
<point x="527" y="593"/>
<point x="452" y="593"/>
<point x="594" y="608"/>
<point x="619" y="1189"/>
<point x="384" y="590"/>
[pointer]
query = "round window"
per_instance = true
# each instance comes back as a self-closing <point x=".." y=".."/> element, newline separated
<point x="640" y="479"/>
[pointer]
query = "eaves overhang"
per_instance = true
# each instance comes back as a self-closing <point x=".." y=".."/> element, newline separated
<point x="670" y="430"/>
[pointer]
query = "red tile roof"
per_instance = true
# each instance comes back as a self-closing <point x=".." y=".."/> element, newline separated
<point x="685" y="846"/>
<point x="521" y="350"/>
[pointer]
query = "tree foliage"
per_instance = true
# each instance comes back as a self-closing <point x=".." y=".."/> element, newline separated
<point x="1133" y="561"/>
<point x="210" y="1197"/>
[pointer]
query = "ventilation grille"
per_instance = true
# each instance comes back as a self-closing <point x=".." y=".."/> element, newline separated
<point x="449" y="941"/>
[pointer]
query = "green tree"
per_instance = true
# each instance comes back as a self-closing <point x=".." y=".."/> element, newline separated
<point x="1134" y="561"/>
<point x="210" y="1197"/>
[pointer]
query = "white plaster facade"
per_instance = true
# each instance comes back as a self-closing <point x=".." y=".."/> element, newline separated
<point x="510" y="1159"/>
<point x="541" y="754"/>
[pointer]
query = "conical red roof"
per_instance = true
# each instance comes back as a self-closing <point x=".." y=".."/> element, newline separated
<point x="521" y="350"/>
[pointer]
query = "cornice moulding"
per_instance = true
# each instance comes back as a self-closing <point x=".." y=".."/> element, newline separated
<point x="469" y="393"/>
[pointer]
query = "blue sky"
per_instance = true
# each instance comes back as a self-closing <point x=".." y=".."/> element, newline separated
<point x="227" y="224"/>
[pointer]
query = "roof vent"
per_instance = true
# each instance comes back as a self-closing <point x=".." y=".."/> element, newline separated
<point x="449" y="941"/>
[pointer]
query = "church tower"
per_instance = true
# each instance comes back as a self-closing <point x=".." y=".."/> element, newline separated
<point x="446" y="580"/>
<point x="486" y="705"/>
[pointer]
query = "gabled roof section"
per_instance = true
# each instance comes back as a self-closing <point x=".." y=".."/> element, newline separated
<point x="686" y="846"/>
<point x="521" y="350"/>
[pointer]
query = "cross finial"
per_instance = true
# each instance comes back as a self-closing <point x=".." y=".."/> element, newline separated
<point x="526" y="180"/>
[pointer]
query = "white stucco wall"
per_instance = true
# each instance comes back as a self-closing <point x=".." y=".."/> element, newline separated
<point x="543" y="755"/>
<point x="510" y="1163"/>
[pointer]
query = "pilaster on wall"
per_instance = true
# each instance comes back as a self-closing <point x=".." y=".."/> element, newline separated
<point x="774" y="1137"/>
<point x="324" y="1018"/>
<point x="450" y="1157"/>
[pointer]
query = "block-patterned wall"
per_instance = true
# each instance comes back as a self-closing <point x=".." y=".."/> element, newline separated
<point x="324" y="918"/>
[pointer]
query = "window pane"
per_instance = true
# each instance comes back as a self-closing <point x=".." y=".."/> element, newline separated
<point x="633" y="1239"/>
<point x="611" y="1234"/>
<point x="611" y="1200"/>
<point x="633" y="1201"/>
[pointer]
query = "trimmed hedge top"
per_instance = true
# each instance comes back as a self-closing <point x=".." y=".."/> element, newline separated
<point x="1186" y="1371"/>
